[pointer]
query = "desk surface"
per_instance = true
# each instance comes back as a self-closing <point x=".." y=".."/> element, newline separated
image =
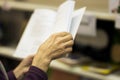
<point x="8" y="52"/>
<point x="78" y="71"/>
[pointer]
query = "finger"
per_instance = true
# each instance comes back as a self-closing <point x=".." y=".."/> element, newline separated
<point x="68" y="44"/>
<point x="61" y="34"/>
<point x="31" y="56"/>
<point x="26" y="69"/>
<point x="59" y="38"/>
<point x="62" y="53"/>
<point x="27" y="60"/>
<point x="65" y="38"/>
<point x="67" y="50"/>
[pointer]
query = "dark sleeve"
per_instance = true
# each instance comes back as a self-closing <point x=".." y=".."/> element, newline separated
<point x="2" y="76"/>
<point x="11" y="76"/>
<point x="35" y="73"/>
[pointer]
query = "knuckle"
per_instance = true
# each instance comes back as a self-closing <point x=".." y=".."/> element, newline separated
<point x="64" y="32"/>
<point x="55" y="36"/>
<point x="62" y="47"/>
<point x="57" y="40"/>
<point x="52" y="36"/>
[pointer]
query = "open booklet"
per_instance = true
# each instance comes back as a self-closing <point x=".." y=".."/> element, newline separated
<point x="45" y="22"/>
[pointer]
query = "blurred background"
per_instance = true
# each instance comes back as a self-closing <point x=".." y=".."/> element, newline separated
<point x="96" y="52"/>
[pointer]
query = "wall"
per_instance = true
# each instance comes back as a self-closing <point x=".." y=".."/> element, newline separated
<point x="94" y="5"/>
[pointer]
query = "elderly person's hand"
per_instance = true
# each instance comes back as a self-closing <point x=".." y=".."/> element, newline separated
<point x="54" y="47"/>
<point x="23" y="67"/>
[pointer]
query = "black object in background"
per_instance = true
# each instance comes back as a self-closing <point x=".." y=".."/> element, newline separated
<point x="12" y="24"/>
<point x="99" y="54"/>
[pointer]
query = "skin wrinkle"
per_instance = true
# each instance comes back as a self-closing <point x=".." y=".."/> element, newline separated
<point x="56" y="46"/>
<point x="66" y="38"/>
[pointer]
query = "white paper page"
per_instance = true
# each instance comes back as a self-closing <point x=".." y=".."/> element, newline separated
<point x="117" y="21"/>
<point x="64" y="16"/>
<point x="88" y="25"/>
<point x="37" y="31"/>
<point x="113" y="5"/>
<point x="76" y="20"/>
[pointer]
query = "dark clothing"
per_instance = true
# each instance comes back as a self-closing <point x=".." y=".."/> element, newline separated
<point x="1" y="75"/>
<point x="11" y="76"/>
<point x="34" y="73"/>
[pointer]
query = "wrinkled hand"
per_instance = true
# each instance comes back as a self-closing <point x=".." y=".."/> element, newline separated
<point x="54" y="47"/>
<point x="23" y="67"/>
